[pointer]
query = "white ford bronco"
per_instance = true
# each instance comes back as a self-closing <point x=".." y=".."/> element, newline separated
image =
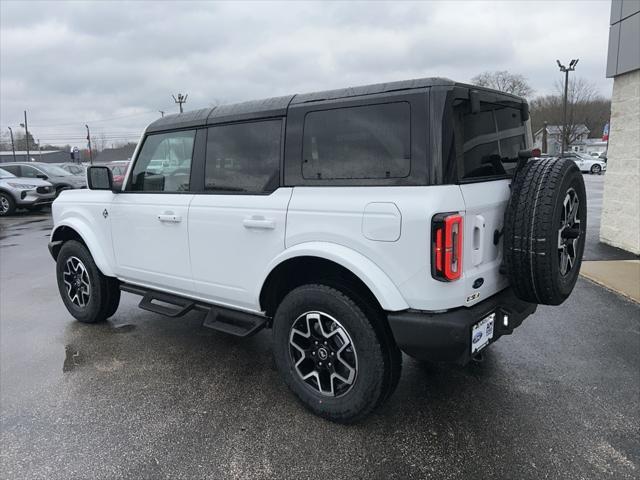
<point x="356" y="224"/>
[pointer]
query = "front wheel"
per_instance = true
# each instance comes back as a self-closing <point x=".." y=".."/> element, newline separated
<point x="88" y="295"/>
<point x="7" y="204"/>
<point x="596" y="169"/>
<point x="331" y="355"/>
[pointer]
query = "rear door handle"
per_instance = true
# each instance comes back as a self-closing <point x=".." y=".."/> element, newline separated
<point x="259" y="222"/>
<point x="169" y="218"/>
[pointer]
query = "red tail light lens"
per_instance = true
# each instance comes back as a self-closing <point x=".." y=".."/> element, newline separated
<point x="446" y="247"/>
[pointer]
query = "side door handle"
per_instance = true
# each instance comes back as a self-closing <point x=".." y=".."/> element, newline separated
<point x="259" y="222"/>
<point x="169" y="217"/>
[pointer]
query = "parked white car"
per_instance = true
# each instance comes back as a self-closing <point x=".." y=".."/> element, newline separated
<point x="354" y="223"/>
<point x="587" y="163"/>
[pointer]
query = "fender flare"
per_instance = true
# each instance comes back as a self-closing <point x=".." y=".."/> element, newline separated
<point x="381" y="286"/>
<point x="79" y="225"/>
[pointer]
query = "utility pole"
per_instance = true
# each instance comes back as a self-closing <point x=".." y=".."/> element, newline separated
<point x="161" y="112"/>
<point x="180" y="100"/>
<point x="13" y="147"/>
<point x="89" y="140"/>
<point x="26" y="134"/>
<point x="566" y="70"/>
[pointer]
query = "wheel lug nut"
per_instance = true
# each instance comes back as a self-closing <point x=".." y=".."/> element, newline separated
<point x="332" y="354"/>
<point x="329" y="364"/>
<point x="313" y="353"/>
<point x="325" y="343"/>
<point x="319" y="363"/>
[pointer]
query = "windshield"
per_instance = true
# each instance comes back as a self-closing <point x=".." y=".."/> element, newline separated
<point x="54" y="171"/>
<point x="585" y="156"/>
<point x="5" y="174"/>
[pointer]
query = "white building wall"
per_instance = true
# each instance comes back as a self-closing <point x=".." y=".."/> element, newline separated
<point x="620" y="224"/>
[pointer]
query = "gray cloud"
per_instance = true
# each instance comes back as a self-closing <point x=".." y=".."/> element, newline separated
<point x="71" y="63"/>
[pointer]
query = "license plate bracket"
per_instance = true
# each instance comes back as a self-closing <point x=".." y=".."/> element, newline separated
<point x="482" y="333"/>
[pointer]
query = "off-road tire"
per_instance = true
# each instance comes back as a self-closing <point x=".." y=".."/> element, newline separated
<point x="104" y="294"/>
<point x="10" y="204"/>
<point x="378" y="364"/>
<point x="532" y="230"/>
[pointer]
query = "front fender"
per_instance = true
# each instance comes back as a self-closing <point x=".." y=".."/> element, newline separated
<point x="373" y="277"/>
<point x="82" y="225"/>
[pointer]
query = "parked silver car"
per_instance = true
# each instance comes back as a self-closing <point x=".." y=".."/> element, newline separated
<point x="30" y="193"/>
<point x="59" y="178"/>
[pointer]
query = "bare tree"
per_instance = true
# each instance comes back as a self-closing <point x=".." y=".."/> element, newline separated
<point x="504" y="81"/>
<point x="585" y="106"/>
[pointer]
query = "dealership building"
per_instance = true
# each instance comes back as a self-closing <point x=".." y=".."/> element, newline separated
<point x="620" y="224"/>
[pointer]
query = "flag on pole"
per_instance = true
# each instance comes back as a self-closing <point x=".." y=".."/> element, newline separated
<point x="605" y="132"/>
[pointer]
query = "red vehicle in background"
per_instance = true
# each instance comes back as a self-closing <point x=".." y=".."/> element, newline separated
<point x="119" y="170"/>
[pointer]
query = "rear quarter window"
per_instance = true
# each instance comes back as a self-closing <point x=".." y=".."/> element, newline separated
<point x="491" y="140"/>
<point x="362" y="142"/>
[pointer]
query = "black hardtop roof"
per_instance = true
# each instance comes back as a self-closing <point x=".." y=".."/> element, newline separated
<point x="277" y="106"/>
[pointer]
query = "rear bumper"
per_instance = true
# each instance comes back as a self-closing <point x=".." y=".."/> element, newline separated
<point x="446" y="336"/>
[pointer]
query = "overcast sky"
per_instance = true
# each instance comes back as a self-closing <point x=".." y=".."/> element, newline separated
<point x="114" y="65"/>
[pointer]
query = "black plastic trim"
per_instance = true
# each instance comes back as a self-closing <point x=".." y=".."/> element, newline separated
<point x="223" y="319"/>
<point x="446" y="336"/>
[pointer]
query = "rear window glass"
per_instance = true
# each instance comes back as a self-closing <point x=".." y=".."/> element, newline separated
<point x="368" y="142"/>
<point x="491" y="139"/>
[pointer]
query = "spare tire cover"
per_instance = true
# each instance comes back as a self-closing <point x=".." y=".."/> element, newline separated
<point x="544" y="232"/>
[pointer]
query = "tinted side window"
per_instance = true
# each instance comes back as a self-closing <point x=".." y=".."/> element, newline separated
<point x="164" y="163"/>
<point x="243" y="157"/>
<point x="15" y="169"/>
<point x="368" y="142"/>
<point x="492" y="139"/>
<point x="30" y="172"/>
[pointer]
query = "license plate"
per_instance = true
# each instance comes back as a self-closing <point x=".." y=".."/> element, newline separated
<point x="481" y="333"/>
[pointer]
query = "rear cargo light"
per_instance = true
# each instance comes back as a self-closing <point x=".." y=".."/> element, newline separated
<point x="446" y="246"/>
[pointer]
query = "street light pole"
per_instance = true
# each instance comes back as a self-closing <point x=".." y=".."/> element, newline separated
<point x="566" y="70"/>
<point x="26" y="134"/>
<point x="13" y="147"/>
<point x="89" y="140"/>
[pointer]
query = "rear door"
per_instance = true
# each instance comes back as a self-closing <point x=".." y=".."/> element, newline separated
<point x="488" y="147"/>
<point x="150" y="218"/>
<point x="237" y="221"/>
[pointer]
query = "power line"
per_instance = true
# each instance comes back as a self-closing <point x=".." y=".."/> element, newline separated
<point x="79" y="122"/>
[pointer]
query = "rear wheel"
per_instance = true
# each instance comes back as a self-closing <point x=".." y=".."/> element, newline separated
<point x="596" y="169"/>
<point x="7" y="204"/>
<point x="331" y="355"/>
<point x="88" y="295"/>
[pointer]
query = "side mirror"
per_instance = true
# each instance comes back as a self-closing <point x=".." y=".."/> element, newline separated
<point x="41" y="176"/>
<point x="99" y="178"/>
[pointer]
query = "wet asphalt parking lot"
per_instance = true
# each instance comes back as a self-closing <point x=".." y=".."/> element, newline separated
<point x="147" y="397"/>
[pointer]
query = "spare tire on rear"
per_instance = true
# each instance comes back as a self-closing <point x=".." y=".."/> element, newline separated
<point x="544" y="232"/>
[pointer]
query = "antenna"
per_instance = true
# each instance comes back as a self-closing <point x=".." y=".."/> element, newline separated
<point x="180" y="100"/>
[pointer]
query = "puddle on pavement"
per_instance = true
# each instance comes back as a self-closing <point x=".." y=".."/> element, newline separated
<point x="9" y="245"/>
<point x="122" y="327"/>
<point x="72" y="358"/>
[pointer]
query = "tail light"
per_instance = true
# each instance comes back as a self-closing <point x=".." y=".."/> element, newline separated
<point x="446" y="246"/>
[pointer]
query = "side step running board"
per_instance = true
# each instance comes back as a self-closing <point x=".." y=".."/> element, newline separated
<point x="233" y="322"/>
